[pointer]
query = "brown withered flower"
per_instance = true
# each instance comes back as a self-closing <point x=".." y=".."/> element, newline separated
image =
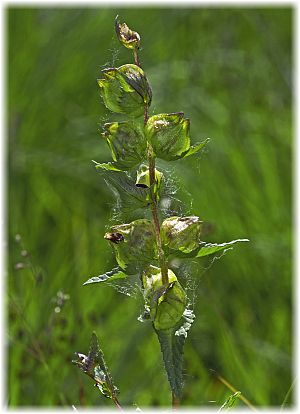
<point x="127" y="37"/>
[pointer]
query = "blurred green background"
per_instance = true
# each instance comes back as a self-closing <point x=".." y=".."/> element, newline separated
<point x="230" y="71"/>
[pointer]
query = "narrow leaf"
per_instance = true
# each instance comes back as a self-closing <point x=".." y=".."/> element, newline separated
<point x="196" y="148"/>
<point x="94" y="349"/>
<point x="171" y="344"/>
<point x="173" y="358"/>
<point x="231" y="401"/>
<point x="95" y="367"/>
<point x="103" y="376"/>
<point x="205" y="249"/>
<point x="211" y="248"/>
<point x="108" y="166"/>
<point x="128" y="194"/>
<point x="114" y="274"/>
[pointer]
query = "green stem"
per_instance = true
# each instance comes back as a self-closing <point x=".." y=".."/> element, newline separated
<point x="113" y="395"/>
<point x="116" y="401"/>
<point x="154" y="210"/>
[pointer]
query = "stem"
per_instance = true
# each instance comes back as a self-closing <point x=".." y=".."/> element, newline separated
<point x="136" y="57"/>
<point x="113" y="395"/>
<point x="116" y="401"/>
<point x="175" y="402"/>
<point x="154" y="210"/>
<point x="232" y="388"/>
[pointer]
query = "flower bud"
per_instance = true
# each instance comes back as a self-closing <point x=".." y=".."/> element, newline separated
<point x="181" y="233"/>
<point x="125" y="90"/>
<point x="168" y="135"/>
<point x="134" y="243"/>
<point x="166" y="302"/>
<point x="127" y="37"/>
<point x="126" y="142"/>
<point x="143" y="179"/>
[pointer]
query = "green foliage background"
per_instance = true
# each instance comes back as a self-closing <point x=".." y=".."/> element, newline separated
<point x="229" y="70"/>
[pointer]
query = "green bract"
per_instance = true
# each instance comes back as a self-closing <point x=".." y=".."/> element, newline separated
<point x="166" y="302"/>
<point x="127" y="37"/>
<point x="127" y="143"/>
<point x="181" y="233"/>
<point x="134" y="243"/>
<point x="143" y="179"/>
<point x="168" y="135"/>
<point x="125" y="90"/>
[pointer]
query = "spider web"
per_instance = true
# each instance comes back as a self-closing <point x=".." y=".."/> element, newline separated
<point x="189" y="271"/>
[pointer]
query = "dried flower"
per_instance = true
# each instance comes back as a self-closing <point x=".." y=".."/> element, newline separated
<point x="128" y="38"/>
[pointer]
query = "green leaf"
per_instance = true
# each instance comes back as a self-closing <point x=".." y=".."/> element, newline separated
<point x="171" y="344"/>
<point x="128" y="194"/>
<point x="108" y="166"/>
<point x="231" y="401"/>
<point x="195" y="148"/>
<point x="211" y="248"/>
<point x="114" y="274"/>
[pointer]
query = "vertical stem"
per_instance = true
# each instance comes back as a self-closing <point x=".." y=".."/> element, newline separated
<point x="175" y="402"/>
<point x="117" y="404"/>
<point x="154" y="209"/>
<point x="136" y="57"/>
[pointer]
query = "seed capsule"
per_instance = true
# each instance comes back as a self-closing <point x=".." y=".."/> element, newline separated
<point x="134" y="243"/>
<point x="166" y="302"/>
<point x="125" y="90"/>
<point x="168" y="135"/>
<point x="181" y="233"/>
<point x="126" y="142"/>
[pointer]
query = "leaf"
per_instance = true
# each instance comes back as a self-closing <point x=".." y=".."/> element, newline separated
<point x="108" y="166"/>
<point x="205" y="249"/>
<point x="94" y="349"/>
<point x="231" y="401"/>
<point x="128" y="194"/>
<point x="171" y="344"/>
<point x="211" y="248"/>
<point x="195" y="148"/>
<point x="95" y="367"/>
<point x="114" y="274"/>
